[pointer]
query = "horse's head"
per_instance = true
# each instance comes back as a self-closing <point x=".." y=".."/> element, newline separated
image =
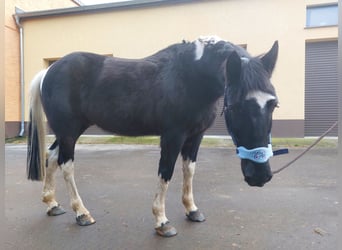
<point x="250" y="100"/>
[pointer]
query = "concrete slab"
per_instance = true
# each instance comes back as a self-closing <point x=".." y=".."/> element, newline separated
<point x="296" y="210"/>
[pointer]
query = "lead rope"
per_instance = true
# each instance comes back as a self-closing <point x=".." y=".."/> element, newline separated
<point x="306" y="150"/>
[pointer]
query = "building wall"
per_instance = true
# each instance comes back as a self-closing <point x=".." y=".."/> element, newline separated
<point x="12" y="57"/>
<point x="138" y="32"/>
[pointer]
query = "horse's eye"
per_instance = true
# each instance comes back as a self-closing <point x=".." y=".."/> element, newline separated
<point x="235" y="109"/>
<point x="232" y="107"/>
<point x="272" y="104"/>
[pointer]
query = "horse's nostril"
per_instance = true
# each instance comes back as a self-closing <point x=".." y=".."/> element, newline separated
<point x="251" y="182"/>
<point x="258" y="182"/>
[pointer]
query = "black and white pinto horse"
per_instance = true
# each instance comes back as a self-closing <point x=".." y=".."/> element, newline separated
<point x="172" y="93"/>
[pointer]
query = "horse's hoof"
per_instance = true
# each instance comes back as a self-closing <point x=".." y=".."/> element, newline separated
<point x="196" y="216"/>
<point x="85" y="220"/>
<point x="166" y="230"/>
<point x="57" y="210"/>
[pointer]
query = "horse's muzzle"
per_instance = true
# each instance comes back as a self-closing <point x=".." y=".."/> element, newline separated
<point x="256" y="174"/>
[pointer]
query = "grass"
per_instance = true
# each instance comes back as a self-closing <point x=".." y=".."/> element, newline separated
<point x="207" y="141"/>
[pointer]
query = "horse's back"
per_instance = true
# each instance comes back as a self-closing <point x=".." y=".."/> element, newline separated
<point x="119" y="95"/>
<point x="124" y="96"/>
<point x="72" y="70"/>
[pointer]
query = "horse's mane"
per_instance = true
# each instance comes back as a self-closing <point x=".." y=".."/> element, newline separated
<point x="172" y="51"/>
<point x="253" y="75"/>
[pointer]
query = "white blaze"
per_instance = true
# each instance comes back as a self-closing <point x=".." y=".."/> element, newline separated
<point x="261" y="97"/>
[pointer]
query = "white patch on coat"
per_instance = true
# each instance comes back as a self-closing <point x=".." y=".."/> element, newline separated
<point x="201" y="42"/>
<point x="260" y="97"/>
<point x="188" y="197"/>
<point x="198" y="50"/>
<point x="210" y="39"/>
<point x="75" y="199"/>
<point x="158" y="207"/>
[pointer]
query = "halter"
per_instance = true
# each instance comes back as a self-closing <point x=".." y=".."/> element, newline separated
<point x="259" y="154"/>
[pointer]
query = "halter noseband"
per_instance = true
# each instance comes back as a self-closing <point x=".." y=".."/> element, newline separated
<point x="259" y="154"/>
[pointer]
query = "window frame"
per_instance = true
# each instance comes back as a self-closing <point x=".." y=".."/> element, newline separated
<point x="319" y="6"/>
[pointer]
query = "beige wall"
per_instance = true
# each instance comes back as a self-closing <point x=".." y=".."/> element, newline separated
<point x="12" y="79"/>
<point x="139" y="32"/>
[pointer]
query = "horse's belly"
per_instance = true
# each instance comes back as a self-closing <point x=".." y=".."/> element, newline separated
<point x="129" y="127"/>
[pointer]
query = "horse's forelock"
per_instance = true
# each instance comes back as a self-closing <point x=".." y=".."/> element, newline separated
<point x="253" y="78"/>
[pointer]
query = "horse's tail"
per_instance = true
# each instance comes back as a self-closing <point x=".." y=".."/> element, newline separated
<point x="36" y="133"/>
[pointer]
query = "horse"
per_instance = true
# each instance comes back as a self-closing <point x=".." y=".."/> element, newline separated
<point x="172" y="94"/>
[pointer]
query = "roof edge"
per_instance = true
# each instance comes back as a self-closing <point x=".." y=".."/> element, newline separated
<point x="95" y="8"/>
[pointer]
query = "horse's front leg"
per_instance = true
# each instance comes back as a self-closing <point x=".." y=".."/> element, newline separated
<point x="189" y="154"/>
<point x="191" y="210"/>
<point x="170" y="148"/>
<point x="162" y="225"/>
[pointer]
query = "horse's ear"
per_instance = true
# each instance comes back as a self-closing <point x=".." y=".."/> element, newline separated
<point x="233" y="68"/>
<point x="270" y="58"/>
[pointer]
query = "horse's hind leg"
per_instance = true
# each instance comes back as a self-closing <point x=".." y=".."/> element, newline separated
<point x="49" y="187"/>
<point x="66" y="162"/>
<point x="189" y="154"/>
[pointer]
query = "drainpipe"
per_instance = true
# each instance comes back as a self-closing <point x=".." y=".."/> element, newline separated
<point x="22" y="80"/>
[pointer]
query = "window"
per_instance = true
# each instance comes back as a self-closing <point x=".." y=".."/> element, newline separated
<point x="323" y="15"/>
<point x="51" y="61"/>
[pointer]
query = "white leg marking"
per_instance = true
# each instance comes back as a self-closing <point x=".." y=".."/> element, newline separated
<point x="188" y="197"/>
<point x="158" y="207"/>
<point x="49" y="186"/>
<point x="75" y="199"/>
<point x="261" y="97"/>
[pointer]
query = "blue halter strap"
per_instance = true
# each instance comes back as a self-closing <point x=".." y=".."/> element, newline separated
<point x="259" y="154"/>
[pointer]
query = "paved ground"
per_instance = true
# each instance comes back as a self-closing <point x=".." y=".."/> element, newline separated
<point x="296" y="210"/>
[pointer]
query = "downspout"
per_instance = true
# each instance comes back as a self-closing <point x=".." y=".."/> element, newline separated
<point x="22" y="80"/>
